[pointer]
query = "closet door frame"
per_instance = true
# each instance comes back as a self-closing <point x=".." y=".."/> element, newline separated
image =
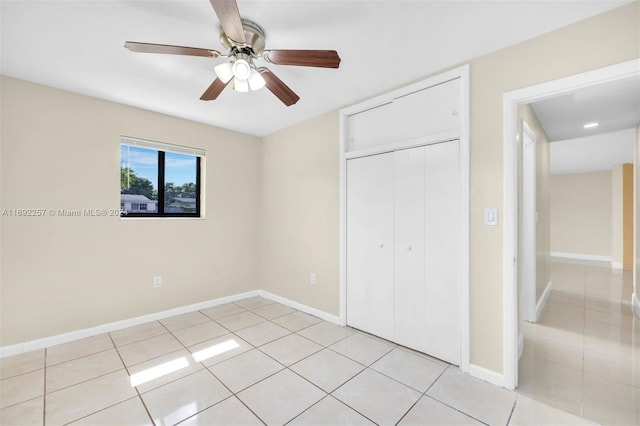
<point x="462" y="135"/>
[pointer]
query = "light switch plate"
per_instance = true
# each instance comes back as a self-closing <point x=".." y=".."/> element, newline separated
<point x="491" y="216"/>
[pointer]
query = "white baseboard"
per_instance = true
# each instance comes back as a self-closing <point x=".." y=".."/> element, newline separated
<point x="635" y="303"/>
<point x="486" y="375"/>
<point x="581" y="256"/>
<point x="300" y="307"/>
<point x="543" y="300"/>
<point x="46" y="342"/>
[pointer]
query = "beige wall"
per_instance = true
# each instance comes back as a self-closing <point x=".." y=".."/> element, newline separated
<point x="627" y="216"/>
<point x="622" y="216"/>
<point x="581" y="213"/>
<point x="299" y="213"/>
<point x="636" y="214"/>
<point x="59" y="274"/>
<point x="543" y="197"/>
<point x="616" y="216"/>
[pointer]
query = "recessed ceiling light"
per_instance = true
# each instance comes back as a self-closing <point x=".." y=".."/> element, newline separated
<point x="591" y="125"/>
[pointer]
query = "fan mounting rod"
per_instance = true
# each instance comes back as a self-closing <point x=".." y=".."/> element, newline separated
<point x="254" y="36"/>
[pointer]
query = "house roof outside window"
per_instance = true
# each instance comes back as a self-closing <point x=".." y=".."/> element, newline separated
<point x="135" y="198"/>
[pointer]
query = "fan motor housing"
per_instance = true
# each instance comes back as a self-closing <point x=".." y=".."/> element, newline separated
<point x="254" y="35"/>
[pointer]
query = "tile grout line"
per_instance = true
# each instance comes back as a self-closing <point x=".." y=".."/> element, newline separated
<point x="307" y="380"/>
<point x="344" y="402"/>
<point x="82" y="356"/>
<point x="102" y="375"/>
<point x="87" y="380"/>
<point x="103" y="409"/>
<point x="233" y="394"/>
<point x="584" y="320"/>
<point x="444" y="403"/>
<point x="365" y="367"/>
<point x="129" y="374"/>
<point x="513" y="408"/>
<point x="434" y="382"/>
<point x="454" y="408"/>
<point x="280" y="338"/>
<point x="44" y="390"/>
<point x="410" y="408"/>
<point x="169" y="331"/>
<point x="307" y="409"/>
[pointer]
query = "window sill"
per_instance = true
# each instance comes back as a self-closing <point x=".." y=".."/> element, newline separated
<point x="133" y="218"/>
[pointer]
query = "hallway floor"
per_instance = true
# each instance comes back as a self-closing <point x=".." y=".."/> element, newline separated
<point x="583" y="355"/>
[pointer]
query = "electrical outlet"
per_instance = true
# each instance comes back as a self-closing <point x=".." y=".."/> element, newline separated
<point x="157" y="281"/>
<point x="312" y="278"/>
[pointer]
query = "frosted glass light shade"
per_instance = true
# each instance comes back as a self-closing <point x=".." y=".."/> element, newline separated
<point x="244" y="75"/>
<point x="256" y="81"/>
<point x="224" y="72"/>
<point x="241" y="69"/>
<point x="240" y="85"/>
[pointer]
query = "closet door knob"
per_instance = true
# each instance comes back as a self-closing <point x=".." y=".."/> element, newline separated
<point x="380" y="245"/>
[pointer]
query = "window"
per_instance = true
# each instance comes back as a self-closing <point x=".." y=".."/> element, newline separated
<point x="159" y="180"/>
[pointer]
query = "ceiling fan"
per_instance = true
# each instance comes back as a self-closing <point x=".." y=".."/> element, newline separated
<point x="245" y="42"/>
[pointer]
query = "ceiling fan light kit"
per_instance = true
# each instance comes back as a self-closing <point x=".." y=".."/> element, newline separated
<point x="244" y="73"/>
<point x="245" y="41"/>
<point x="224" y="71"/>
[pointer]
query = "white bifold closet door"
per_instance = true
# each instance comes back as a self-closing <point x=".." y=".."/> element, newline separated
<point x="427" y="235"/>
<point x="370" y="244"/>
<point x="403" y="220"/>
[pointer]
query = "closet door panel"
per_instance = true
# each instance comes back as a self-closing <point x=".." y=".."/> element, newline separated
<point x="370" y="247"/>
<point x="442" y="239"/>
<point x="410" y="290"/>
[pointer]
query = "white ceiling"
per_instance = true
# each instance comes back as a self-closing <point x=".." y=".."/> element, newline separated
<point x="592" y="153"/>
<point x="615" y="106"/>
<point x="78" y="46"/>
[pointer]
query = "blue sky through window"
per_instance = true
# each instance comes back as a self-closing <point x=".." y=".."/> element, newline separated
<point x="179" y="168"/>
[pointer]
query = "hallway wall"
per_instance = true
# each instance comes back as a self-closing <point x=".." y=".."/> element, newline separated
<point x="636" y="219"/>
<point x="627" y="216"/>
<point x="543" y="197"/>
<point x="581" y="214"/>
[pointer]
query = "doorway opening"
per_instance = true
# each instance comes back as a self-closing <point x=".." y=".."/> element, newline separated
<point x="512" y="248"/>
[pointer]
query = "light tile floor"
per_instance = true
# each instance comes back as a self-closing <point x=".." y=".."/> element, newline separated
<point x="583" y="355"/>
<point x="251" y="362"/>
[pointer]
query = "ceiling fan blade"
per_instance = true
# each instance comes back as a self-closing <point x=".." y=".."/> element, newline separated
<point x="278" y="88"/>
<point x="214" y="90"/>
<point x="172" y="50"/>
<point x="229" y="17"/>
<point x="304" y="58"/>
